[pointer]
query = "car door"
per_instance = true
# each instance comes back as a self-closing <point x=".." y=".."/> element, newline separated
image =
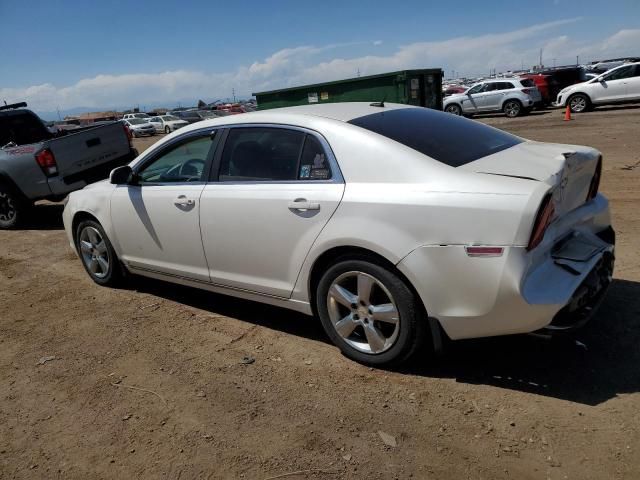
<point x="633" y="84"/>
<point x="469" y="101"/>
<point x="275" y="189"/>
<point x="612" y="87"/>
<point x="157" y="123"/>
<point x="156" y="218"/>
<point x="490" y="98"/>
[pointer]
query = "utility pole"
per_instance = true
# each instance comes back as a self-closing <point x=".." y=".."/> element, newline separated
<point x="577" y="60"/>
<point x="540" y="63"/>
<point x="233" y="91"/>
<point x="358" y="72"/>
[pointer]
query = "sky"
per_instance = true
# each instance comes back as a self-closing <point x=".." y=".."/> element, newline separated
<point x="121" y="54"/>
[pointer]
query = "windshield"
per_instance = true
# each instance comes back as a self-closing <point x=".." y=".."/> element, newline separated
<point x="136" y="121"/>
<point x="170" y="118"/>
<point x="447" y="138"/>
<point x="140" y="115"/>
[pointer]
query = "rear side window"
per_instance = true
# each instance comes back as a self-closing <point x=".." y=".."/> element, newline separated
<point x="527" y="82"/>
<point x="505" y="86"/>
<point x="447" y="138"/>
<point x="22" y="127"/>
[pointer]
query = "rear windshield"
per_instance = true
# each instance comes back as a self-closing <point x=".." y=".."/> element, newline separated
<point x="447" y="138"/>
<point x="22" y="128"/>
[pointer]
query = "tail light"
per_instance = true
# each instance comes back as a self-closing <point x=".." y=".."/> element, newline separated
<point x="128" y="132"/>
<point x="595" y="181"/>
<point x="47" y="162"/>
<point x="527" y="91"/>
<point x="543" y="219"/>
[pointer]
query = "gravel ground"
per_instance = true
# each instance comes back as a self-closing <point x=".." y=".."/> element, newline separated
<point x="148" y="381"/>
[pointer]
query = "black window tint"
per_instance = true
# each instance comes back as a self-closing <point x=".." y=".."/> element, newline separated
<point x="506" y="86"/>
<point x="637" y="72"/>
<point x="314" y="164"/>
<point x="261" y="154"/>
<point x="22" y="127"/>
<point x="446" y="138"/>
<point x="619" y="74"/>
<point x="527" y="82"/>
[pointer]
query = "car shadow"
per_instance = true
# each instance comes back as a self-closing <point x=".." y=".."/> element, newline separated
<point x="263" y="315"/>
<point x="43" y="216"/>
<point x="590" y="367"/>
<point x="613" y="108"/>
<point x="533" y="113"/>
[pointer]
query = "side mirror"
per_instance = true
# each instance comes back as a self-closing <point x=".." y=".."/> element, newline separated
<point x="121" y="176"/>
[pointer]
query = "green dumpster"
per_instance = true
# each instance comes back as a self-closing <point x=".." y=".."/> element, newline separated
<point x="412" y="87"/>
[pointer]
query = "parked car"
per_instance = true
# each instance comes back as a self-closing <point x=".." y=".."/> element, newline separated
<point x="189" y="116"/>
<point x="167" y="123"/>
<point x="35" y="165"/>
<point x="139" y="126"/>
<point x="513" y="96"/>
<point x="619" y="85"/>
<point x="127" y="116"/>
<point x="350" y="211"/>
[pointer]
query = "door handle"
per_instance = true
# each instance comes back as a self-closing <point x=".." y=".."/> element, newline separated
<point x="303" y="204"/>
<point x="183" y="201"/>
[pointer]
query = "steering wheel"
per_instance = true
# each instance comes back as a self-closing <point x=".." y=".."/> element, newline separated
<point x="181" y="171"/>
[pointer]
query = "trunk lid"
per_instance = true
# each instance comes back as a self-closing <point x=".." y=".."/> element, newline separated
<point x="567" y="169"/>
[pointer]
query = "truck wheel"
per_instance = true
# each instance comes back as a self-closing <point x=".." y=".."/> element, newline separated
<point x="11" y="208"/>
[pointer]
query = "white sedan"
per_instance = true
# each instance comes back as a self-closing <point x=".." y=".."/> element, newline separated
<point x="396" y="225"/>
<point x="167" y="123"/>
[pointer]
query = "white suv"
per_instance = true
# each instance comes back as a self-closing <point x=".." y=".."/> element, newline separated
<point x="513" y="96"/>
<point x="128" y="116"/>
<point x="618" y="85"/>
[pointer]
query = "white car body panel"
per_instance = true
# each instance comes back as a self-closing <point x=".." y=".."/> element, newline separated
<point x="243" y="239"/>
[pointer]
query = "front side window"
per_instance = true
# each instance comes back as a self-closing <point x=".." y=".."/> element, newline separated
<point x="267" y="154"/>
<point x="475" y="89"/>
<point x="620" y="73"/>
<point x="182" y="163"/>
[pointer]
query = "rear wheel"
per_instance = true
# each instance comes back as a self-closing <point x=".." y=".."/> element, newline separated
<point x="370" y="313"/>
<point x="167" y="130"/>
<point x="579" y="103"/>
<point x="512" y="108"/>
<point x="453" y="109"/>
<point x="97" y="254"/>
<point x="12" y="208"/>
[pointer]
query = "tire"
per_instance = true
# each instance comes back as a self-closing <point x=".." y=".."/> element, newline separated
<point x="512" y="108"/>
<point x="167" y="130"/>
<point x="12" y="208"/>
<point x="454" y="109"/>
<point x="88" y="237"/>
<point x="361" y="337"/>
<point x="579" y="103"/>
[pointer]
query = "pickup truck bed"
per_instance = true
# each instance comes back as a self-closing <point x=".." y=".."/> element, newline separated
<point x="49" y="168"/>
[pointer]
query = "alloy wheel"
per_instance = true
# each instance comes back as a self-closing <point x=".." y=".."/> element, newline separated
<point x="95" y="254"/>
<point x="8" y="210"/>
<point x="454" y="109"/>
<point x="512" y="109"/>
<point x="578" y="104"/>
<point x="363" y="312"/>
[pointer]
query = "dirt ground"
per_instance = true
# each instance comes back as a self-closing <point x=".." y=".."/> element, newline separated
<point x="148" y="382"/>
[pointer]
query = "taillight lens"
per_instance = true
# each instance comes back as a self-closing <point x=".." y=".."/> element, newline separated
<point x="47" y="162"/>
<point x="128" y="132"/>
<point x="527" y="91"/>
<point x="543" y="219"/>
<point x="595" y="181"/>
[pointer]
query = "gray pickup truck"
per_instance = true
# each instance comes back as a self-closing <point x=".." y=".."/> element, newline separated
<point x="37" y="165"/>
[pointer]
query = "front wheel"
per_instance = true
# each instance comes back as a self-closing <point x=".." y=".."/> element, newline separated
<point x="97" y="254"/>
<point x="370" y="313"/>
<point x="167" y="130"/>
<point x="453" y="109"/>
<point x="12" y="209"/>
<point x="579" y="103"/>
<point x="512" y="108"/>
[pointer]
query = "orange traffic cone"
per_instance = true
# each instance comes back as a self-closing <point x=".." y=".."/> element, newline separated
<point x="567" y="114"/>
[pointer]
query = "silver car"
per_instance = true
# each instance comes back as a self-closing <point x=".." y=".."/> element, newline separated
<point x="513" y="96"/>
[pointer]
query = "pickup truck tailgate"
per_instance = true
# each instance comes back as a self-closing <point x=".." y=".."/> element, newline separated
<point x="90" y="148"/>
